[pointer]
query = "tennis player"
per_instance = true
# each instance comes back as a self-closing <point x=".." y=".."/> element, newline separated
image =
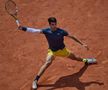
<point x="55" y="38"/>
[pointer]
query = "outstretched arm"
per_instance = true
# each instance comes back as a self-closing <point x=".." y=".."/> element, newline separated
<point x="27" y="29"/>
<point x="78" y="41"/>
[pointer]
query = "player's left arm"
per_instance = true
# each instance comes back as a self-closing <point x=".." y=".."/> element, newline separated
<point x="78" y="41"/>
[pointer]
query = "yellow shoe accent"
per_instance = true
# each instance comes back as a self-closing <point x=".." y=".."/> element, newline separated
<point x="84" y="60"/>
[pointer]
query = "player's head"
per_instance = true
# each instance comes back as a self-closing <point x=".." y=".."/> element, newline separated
<point x="52" y="19"/>
<point x="52" y="22"/>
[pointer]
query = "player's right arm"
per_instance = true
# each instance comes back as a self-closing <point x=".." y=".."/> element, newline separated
<point x="27" y="29"/>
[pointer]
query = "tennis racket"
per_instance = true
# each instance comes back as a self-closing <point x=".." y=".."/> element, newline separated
<point x="12" y="9"/>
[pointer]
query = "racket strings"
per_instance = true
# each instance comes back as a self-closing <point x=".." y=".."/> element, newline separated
<point x="11" y="7"/>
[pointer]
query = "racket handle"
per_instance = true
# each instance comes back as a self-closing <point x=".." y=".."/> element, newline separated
<point x="18" y="23"/>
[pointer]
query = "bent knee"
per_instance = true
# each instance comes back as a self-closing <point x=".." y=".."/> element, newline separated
<point x="49" y="60"/>
<point x="72" y="56"/>
<point x="47" y="63"/>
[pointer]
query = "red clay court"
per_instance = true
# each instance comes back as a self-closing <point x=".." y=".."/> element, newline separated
<point x="23" y="53"/>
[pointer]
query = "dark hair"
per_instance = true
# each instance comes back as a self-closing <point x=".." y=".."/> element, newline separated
<point x="52" y="19"/>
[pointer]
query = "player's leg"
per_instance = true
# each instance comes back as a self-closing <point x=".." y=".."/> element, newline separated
<point x="85" y="60"/>
<point x="75" y="57"/>
<point x="48" y="62"/>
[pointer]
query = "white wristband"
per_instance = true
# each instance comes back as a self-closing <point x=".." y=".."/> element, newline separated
<point x="17" y="22"/>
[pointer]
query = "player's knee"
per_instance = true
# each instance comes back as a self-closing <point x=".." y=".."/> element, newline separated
<point x="72" y="56"/>
<point x="49" y="60"/>
<point x="47" y="63"/>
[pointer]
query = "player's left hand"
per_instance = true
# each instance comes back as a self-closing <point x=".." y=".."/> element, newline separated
<point x="20" y="27"/>
<point x="84" y="45"/>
